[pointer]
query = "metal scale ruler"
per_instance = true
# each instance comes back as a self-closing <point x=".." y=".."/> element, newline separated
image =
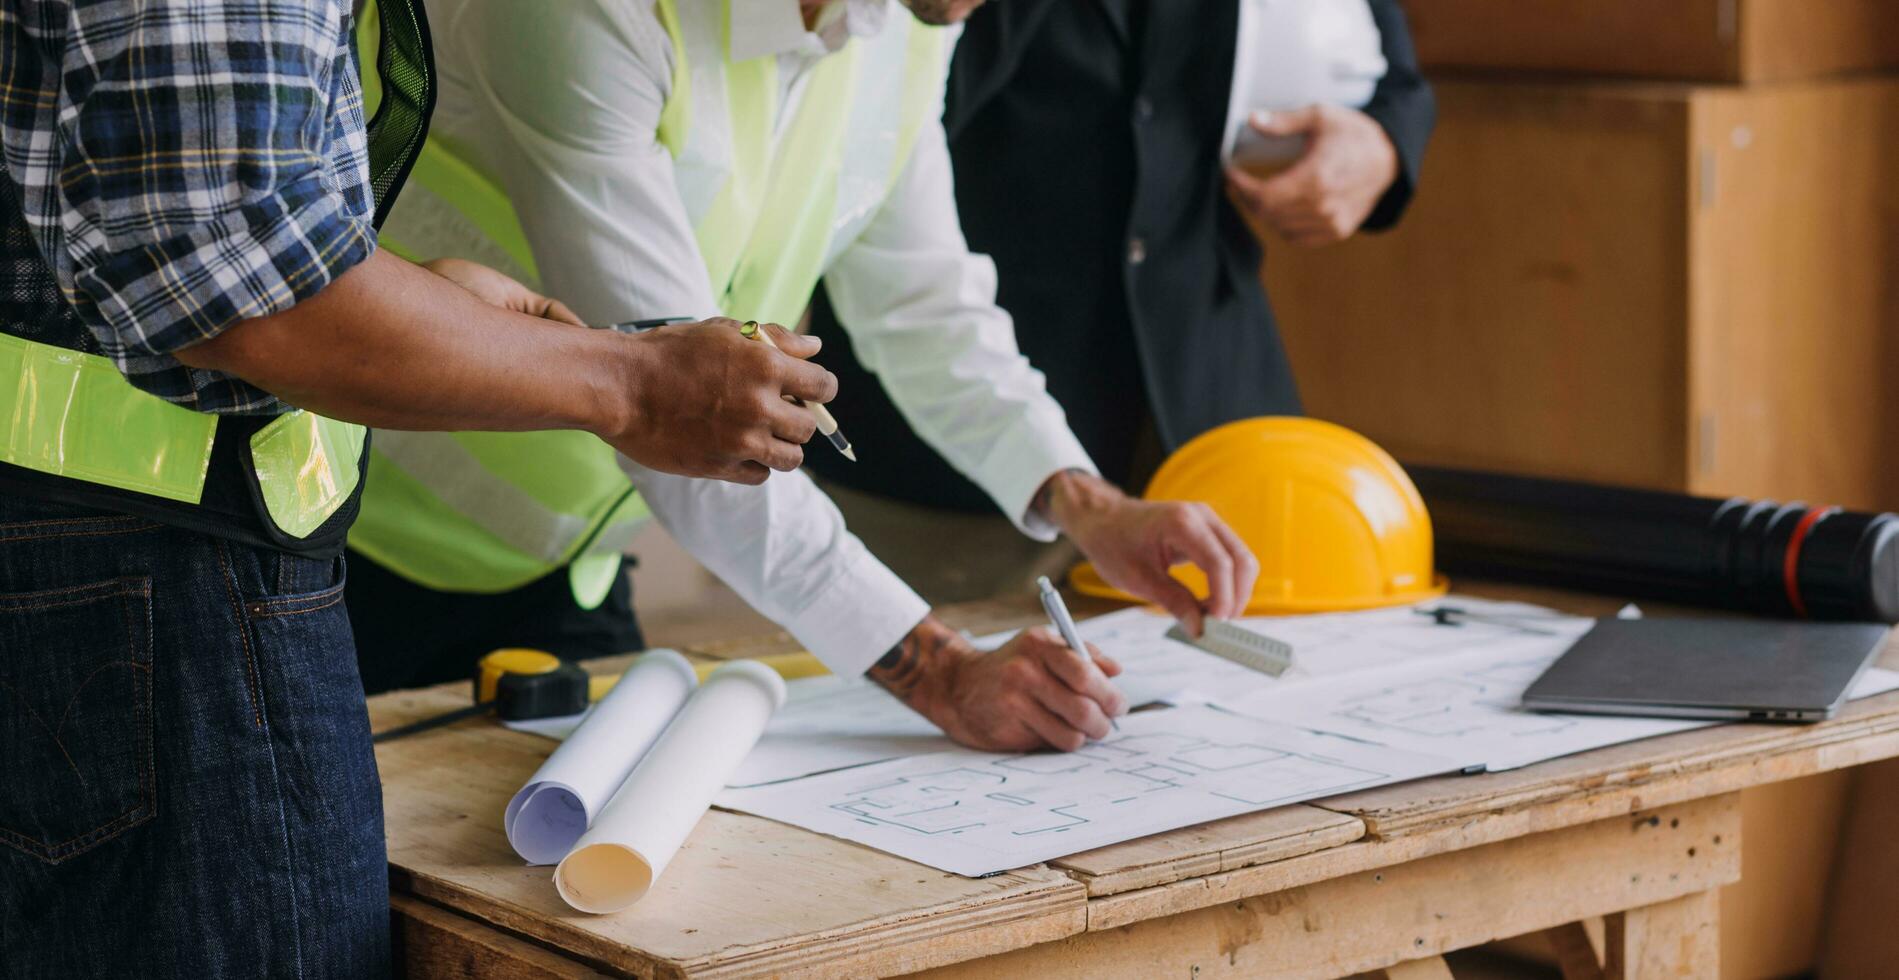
<point x="1254" y="651"/>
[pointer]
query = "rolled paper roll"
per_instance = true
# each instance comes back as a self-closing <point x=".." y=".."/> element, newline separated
<point x="642" y="827"/>
<point x="549" y="814"/>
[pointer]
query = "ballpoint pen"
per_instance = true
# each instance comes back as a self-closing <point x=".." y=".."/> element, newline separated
<point x="1065" y="625"/>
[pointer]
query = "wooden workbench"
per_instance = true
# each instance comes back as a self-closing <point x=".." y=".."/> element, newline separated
<point x="1638" y="836"/>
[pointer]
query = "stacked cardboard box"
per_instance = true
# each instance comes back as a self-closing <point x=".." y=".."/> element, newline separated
<point x="1656" y="243"/>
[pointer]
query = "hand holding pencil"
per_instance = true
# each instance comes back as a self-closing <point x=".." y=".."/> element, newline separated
<point x="826" y="424"/>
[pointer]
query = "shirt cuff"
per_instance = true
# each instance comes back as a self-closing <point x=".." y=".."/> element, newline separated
<point x="150" y="300"/>
<point x="863" y="612"/>
<point x="1021" y="461"/>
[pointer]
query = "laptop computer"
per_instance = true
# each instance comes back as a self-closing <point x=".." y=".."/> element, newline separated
<point x="1737" y="669"/>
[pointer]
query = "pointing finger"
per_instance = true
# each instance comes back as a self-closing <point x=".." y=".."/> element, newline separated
<point x="805" y="380"/>
<point x="1196" y="542"/>
<point x="558" y="312"/>
<point x="801" y="346"/>
<point x="1245" y="566"/>
<point x="791" y="422"/>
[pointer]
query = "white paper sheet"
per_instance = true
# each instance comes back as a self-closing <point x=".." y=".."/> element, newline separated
<point x="636" y="834"/>
<point x="1331" y="644"/>
<point x="976" y="813"/>
<point x="1466" y="708"/>
<point x="550" y="813"/>
<point x="1324" y="645"/>
<point x="831" y="723"/>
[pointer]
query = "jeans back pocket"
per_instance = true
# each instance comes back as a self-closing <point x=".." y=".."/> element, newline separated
<point x="75" y="716"/>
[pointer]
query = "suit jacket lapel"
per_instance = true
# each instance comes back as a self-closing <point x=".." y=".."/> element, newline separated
<point x="1116" y="12"/>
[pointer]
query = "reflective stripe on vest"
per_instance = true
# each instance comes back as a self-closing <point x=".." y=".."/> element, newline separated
<point x="454" y="512"/>
<point x="74" y="415"/>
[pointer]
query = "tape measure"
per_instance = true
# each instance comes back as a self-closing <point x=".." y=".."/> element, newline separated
<point x="519" y="684"/>
<point x="526" y="684"/>
<point x="516" y="685"/>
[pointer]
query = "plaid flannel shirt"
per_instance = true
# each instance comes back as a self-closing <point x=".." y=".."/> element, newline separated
<point x="183" y="165"/>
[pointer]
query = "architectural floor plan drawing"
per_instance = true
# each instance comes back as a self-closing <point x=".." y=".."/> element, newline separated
<point x="1442" y="708"/>
<point x="1161" y="669"/>
<point x="1334" y="644"/>
<point x="1463" y="707"/>
<point x="975" y="813"/>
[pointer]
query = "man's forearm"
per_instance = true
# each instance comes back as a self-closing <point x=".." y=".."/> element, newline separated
<point x="392" y="345"/>
<point x="923" y="652"/>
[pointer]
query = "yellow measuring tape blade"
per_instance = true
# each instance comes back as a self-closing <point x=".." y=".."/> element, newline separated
<point x="790" y="666"/>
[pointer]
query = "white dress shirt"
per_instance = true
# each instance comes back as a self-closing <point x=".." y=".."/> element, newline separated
<point x="561" y="104"/>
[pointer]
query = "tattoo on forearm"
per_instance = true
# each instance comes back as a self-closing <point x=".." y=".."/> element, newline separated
<point x="907" y="663"/>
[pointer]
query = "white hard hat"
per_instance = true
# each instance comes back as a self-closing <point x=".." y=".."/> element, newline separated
<point x="1303" y="52"/>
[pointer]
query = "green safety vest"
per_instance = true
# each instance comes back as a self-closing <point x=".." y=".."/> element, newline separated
<point x="490" y="512"/>
<point x="73" y="415"/>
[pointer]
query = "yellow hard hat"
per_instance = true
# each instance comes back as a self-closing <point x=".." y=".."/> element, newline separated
<point x="1334" y="521"/>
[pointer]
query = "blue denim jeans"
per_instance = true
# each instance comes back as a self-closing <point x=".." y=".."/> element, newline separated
<point x="186" y="782"/>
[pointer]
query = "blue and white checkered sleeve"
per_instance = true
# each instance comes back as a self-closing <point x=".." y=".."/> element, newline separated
<point x="213" y="167"/>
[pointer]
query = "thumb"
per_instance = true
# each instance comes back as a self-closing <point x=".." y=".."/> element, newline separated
<point x="553" y="309"/>
<point x="801" y="346"/>
<point x="1284" y="122"/>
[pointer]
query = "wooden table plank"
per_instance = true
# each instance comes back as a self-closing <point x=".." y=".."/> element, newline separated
<point x="1372" y="919"/>
<point x="744" y="895"/>
<point x="1209" y="848"/>
<point x="442" y="945"/>
<point x="1676" y="938"/>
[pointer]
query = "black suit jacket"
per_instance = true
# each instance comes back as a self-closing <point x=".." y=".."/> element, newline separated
<point x="1085" y="136"/>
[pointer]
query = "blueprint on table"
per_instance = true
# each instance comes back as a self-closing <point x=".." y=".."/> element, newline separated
<point x="1467" y="708"/>
<point x="976" y="813"/>
<point x="1156" y="668"/>
<point x="1462" y="707"/>
<point x="829" y="723"/>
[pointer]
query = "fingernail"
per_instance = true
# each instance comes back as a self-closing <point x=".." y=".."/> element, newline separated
<point x="1261" y="117"/>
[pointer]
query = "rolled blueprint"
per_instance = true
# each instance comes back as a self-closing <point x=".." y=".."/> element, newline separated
<point x="571" y="788"/>
<point x="641" y="828"/>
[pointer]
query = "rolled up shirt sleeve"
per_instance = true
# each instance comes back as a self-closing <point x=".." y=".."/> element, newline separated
<point x="783" y="548"/>
<point x="211" y="168"/>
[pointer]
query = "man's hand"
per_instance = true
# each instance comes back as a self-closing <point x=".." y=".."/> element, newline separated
<point x="1134" y="542"/>
<point x="709" y="402"/>
<point x="496" y="289"/>
<point x="1329" y="192"/>
<point x="1032" y="693"/>
<point x="709" y="411"/>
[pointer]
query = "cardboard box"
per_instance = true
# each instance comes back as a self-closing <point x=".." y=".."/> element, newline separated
<point x="1691" y="288"/>
<point x="1694" y="40"/>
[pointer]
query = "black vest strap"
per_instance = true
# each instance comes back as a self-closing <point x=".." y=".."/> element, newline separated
<point x="405" y="60"/>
